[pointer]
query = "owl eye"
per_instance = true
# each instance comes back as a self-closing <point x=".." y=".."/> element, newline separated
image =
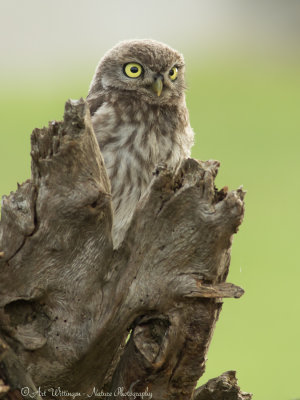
<point x="133" y="70"/>
<point x="173" y="73"/>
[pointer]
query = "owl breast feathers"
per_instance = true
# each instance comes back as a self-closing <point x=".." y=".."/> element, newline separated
<point x="140" y="119"/>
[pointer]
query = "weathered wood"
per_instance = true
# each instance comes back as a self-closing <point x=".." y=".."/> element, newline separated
<point x="224" y="387"/>
<point x="68" y="300"/>
<point x="12" y="371"/>
<point x="51" y="280"/>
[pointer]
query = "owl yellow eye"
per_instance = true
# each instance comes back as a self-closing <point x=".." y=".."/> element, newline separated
<point x="173" y="73"/>
<point x="133" y="70"/>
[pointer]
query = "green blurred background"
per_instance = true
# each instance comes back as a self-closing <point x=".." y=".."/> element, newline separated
<point x="243" y="73"/>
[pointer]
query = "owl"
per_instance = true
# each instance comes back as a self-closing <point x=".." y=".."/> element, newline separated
<point x="140" y="119"/>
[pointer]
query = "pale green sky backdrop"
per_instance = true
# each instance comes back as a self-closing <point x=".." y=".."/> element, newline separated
<point x="38" y="34"/>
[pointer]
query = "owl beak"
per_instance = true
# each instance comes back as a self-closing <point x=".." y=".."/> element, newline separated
<point x="157" y="85"/>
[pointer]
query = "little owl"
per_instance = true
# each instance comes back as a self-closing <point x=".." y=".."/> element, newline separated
<point x="140" y="119"/>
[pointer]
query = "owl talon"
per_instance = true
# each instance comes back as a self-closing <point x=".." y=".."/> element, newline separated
<point x="162" y="166"/>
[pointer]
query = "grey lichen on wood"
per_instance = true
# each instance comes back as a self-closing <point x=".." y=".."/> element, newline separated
<point x="68" y="300"/>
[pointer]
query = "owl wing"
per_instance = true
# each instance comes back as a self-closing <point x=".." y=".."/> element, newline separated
<point x="95" y="100"/>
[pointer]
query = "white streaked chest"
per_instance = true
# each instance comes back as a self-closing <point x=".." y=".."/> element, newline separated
<point x="132" y="147"/>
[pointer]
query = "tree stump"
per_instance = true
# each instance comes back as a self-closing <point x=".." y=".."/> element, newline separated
<point x="78" y="317"/>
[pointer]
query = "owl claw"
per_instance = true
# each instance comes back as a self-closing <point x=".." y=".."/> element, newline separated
<point x="162" y="166"/>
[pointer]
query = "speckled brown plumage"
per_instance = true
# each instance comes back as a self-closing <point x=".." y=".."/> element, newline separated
<point x="136" y="128"/>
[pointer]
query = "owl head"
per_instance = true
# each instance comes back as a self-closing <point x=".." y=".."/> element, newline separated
<point x="145" y="69"/>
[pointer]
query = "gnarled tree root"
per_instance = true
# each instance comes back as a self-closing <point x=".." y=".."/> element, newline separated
<point x="84" y="317"/>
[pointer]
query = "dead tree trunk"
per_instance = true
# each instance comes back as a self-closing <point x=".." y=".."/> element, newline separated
<point x="69" y="301"/>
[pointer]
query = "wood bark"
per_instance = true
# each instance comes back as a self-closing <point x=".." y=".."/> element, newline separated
<point x="224" y="387"/>
<point x="80" y="316"/>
